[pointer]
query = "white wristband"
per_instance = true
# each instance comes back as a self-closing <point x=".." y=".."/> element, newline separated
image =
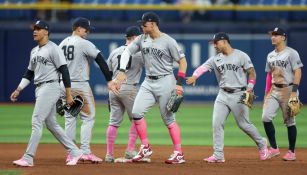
<point x="23" y="83"/>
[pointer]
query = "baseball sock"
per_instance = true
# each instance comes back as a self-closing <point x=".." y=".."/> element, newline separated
<point x="270" y="132"/>
<point x="111" y="136"/>
<point x="174" y="132"/>
<point x="132" y="137"/>
<point x="292" y="132"/>
<point x="141" y="129"/>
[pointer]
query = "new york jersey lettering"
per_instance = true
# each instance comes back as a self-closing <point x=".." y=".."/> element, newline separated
<point x="153" y="51"/>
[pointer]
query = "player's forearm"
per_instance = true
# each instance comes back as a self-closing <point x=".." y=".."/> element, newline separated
<point x="65" y="76"/>
<point x="297" y="79"/>
<point x="181" y="71"/>
<point x="103" y="67"/>
<point x="297" y="76"/>
<point x="268" y="84"/>
<point x="199" y="71"/>
<point x="182" y="65"/>
<point x="25" y="81"/>
<point x="251" y="78"/>
<point x="251" y="73"/>
<point x="124" y="59"/>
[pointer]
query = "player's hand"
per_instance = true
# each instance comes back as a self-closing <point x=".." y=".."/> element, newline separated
<point x="14" y="95"/>
<point x="191" y="80"/>
<point x="69" y="100"/>
<point x="249" y="90"/>
<point x="120" y="79"/>
<point x="113" y="87"/>
<point x="179" y="90"/>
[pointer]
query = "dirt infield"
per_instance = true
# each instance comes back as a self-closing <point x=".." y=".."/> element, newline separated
<point x="50" y="160"/>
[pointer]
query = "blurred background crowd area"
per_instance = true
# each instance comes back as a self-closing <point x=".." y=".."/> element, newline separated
<point x="170" y="10"/>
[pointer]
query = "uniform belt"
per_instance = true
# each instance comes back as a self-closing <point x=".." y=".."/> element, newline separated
<point x="45" y="82"/>
<point x="234" y="90"/>
<point x="156" y="77"/>
<point x="135" y="84"/>
<point x="282" y="85"/>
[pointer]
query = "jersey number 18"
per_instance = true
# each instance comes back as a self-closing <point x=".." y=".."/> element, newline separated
<point x="69" y="52"/>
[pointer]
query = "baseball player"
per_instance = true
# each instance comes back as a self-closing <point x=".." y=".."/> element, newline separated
<point x="230" y="66"/>
<point x="283" y="67"/>
<point x="46" y="63"/>
<point x="79" y="53"/>
<point x="124" y="101"/>
<point x="159" y="51"/>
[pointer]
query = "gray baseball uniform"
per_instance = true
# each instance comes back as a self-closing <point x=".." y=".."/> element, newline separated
<point x="281" y="65"/>
<point x="159" y="56"/>
<point x="231" y="76"/>
<point x="79" y="53"/>
<point x="128" y="91"/>
<point x="45" y="61"/>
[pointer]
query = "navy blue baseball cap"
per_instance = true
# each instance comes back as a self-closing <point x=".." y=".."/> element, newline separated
<point x="82" y="22"/>
<point x="149" y="17"/>
<point x="41" y="25"/>
<point x="133" y="31"/>
<point x="219" y="36"/>
<point x="277" y="31"/>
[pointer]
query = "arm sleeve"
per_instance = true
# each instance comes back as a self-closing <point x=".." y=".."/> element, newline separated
<point x="199" y="71"/>
<point x="65" y="75"/>
<point x="28" y="75"/>
<point x="103" y="67"/>
<point x="268" y="83"/>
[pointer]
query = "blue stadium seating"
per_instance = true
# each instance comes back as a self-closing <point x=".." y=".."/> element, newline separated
<point x="133" y="15"/>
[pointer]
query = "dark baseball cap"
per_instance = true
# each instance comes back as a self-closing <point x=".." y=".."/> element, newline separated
<point x="133" y="31"/>
<point x="41" y="25"/>
<point x="82" y="22"/>
<point x="220" y="36"/>
<point x="277" y="31"/>
<point x="149" y="17"/>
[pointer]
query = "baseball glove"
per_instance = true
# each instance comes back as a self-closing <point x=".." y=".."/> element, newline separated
<point x="174" y="102"/>
<point x="247" y="98"/>
<point x="294" y="106"/>
<point x="75" y="109"/>
<point x="60" y="107"/>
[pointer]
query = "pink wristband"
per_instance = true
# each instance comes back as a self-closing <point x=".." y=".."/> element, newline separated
<point x="252" y="81"/>
<point x="181" y="74"/>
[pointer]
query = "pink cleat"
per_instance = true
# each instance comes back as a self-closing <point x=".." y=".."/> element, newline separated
<point x="68" y="158"/>
<point x="290" y="156"/>
<point x="74" y="160"/>
<point x="144" y="153"/>
<point x="213" y="159"/>
<point x="264" y="154"/>
<point x="21" y="162"/>
<point x="91" y="157"/>
<point x="274" y="152"/>
<point x="175" y="158"/>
